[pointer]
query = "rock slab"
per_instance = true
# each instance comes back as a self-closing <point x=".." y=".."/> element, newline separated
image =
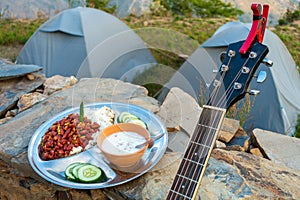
<point x="279" y="148"/>
<point x="229" y="174"/>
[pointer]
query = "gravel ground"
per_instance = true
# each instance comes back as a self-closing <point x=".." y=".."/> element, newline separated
<point x="10" y="52"/>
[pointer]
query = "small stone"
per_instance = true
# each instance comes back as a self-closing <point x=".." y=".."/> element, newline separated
<point x="234" y="148"/>
<point x="247" y="144"/>
<point x="173" y="129"/>
<point x="225" y="136"/>
<point x="30" y="77"/>
<point x="27" y="100"/>
<point x="4" y="120"/>
<point x="146" y="23"/>
<point x="281" y="149"/>
<point x="257" y="152"/>
<point x="228" y="130"/>
<point x="220" y="144"/>
<point x="11" y="113"/>
<point x="240" y="132"/>
<point x="58" y="82"/>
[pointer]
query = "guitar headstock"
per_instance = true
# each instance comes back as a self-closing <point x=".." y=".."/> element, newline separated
<point x="235" y="74"/>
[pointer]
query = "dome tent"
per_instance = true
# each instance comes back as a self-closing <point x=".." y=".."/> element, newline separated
<point x="86" y="42"/>
<point x="277" y="105"/>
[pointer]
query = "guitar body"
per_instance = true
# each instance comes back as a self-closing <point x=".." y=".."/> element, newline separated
<point x="230" y="85"/>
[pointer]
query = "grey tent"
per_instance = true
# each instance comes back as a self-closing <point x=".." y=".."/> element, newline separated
<point x="87" y="42"/>
<point x="277" y="105"/>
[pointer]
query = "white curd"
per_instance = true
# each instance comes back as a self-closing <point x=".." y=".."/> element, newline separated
<point x="122" y="142"/>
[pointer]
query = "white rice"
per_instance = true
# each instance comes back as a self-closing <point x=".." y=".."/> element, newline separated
<point x="103" y="116"/>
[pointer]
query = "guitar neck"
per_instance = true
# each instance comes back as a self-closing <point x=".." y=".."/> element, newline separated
<point x="197" y="153"/>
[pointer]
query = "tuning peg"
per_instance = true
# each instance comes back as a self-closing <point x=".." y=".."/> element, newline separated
<point x="267" y="62"/>
<point x="254" y="92"/>
<point x="261" y="77"/>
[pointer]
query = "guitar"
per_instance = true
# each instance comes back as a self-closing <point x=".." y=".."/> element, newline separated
<point x="230" y="85"/>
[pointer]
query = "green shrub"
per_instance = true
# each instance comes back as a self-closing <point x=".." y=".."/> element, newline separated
<point x="17" y="31"/>
<point x="102" y="5"/>
<point x="290" y="15"/>
<point x="201" y="8"/>
<point x="297" y="131"/>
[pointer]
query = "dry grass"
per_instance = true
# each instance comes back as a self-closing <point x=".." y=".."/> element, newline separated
<point x="10" y="52"/>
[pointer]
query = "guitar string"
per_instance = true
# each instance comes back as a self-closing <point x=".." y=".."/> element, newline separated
<point x="222" y="100"/>
<point x="215" y="116"/>
<point x="207" y="136"/>
<point x="186" y="165"/>
<point x="231" y="89"/>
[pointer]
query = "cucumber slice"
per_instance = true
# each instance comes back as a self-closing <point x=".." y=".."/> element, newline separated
<point x="75" y="169"/>
<point x="121" y="116"/>
<point x="68" y="171"/>
<point x="129" y="117"/>
<point x="138" y="122"/>
<point x="89" y="174"/>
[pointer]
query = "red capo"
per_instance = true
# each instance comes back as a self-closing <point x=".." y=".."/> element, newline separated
<point x="259" y="23"/>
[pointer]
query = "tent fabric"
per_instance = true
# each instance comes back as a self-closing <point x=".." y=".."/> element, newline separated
<point x="87" y="42"/>
<point x="277" y="105"/>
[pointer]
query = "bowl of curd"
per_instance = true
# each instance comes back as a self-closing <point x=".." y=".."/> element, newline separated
<point x="118" y="143"/>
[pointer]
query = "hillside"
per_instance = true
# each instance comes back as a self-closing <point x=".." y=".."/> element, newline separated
<point x="33" y="9"/>
<point x="15" y="32"/>
<point x="277" y="8"/>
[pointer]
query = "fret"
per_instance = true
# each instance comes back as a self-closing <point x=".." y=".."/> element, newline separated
<point x="193" y="163"/>
<point x="187" y="178"/>
<point x="196" y="155"/>
<point x="184" y="186"/>
<point x="204" y="136"/>
<point x="178" y="195"/>
<point x="203" y="145"/>
<point x="209" y="127"/>
<point x="229" y="86"/>
<point x="198" y="163"/>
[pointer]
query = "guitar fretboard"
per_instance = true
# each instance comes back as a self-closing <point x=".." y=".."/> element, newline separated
<point x="197" y="153"/>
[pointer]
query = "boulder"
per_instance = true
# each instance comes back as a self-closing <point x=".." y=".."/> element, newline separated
<point x="228" y="130"/>
<point x="58" y="82"/>
<point x="93" y="90"/>
<point x="29" y="99"/>
<point x="179" y="109"/>
<point x="281" y="149"/>
<point x="229" y="174"/>
<point x="11" y="90"/>
<point x="9" y="71"/>
<point x="257" y="152"/>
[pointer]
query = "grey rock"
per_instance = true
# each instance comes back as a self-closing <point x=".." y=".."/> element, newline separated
<point x="57" y="83"/>
<point x="179" y="109"/>
<point x="29" y="99"/>
<point x="93" y="90"/>
<point x="220" y="144"/>
<point x="229" y="128"/>
<point x="279" y="148"/>
<point x="229" y="174"/>
<point x="12" y="89"/>
<point x="8" y="71"/>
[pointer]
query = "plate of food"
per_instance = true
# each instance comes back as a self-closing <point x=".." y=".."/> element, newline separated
<point x="80" y="148"/>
